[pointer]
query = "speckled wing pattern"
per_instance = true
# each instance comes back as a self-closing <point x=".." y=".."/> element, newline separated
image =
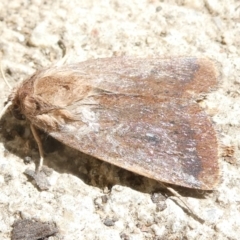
<point x="140" y="114"/>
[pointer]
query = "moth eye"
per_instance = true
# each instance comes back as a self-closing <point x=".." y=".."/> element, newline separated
<point x="17" y="113"/>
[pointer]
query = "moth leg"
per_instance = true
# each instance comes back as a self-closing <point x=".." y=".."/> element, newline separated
<point x="40" y="148"/>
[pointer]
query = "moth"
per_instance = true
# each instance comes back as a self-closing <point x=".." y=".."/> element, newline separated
<point x="139" y="114"/>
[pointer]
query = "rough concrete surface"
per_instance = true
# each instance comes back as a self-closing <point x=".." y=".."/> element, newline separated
<point x="90" y="199"/>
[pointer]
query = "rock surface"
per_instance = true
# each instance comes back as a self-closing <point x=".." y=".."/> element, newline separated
<point x="90" y="199"/>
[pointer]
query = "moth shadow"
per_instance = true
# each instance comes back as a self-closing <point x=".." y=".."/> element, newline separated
<point x="17" y="139"/>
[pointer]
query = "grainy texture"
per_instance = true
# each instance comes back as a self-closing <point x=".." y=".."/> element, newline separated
<point x="39" y="177"/>
<point x="84" y="191"/>
<point x="28" y="229"/>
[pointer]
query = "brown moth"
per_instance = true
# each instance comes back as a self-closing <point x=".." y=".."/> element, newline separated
<point x="139" y="114"/>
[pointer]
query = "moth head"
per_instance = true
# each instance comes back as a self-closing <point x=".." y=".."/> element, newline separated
<point x="20" y="101"/>
<point x="17" y="112"/>
<point x="14" y="104"/>
<point x="23" y="104"/>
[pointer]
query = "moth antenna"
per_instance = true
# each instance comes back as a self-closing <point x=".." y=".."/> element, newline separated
<point x="10" y="87"/>
<point x="4" y="78"/>
<point x="40" y="148"/>
<point x="5" y="108"/>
